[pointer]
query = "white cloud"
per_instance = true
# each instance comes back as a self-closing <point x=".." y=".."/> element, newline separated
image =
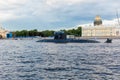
<point x="8" y="9"/>
<point x="111" y="22"/>
<point x="54" y="12"/>
<point x="53" y="8"/>
<point x="64" y="2"/>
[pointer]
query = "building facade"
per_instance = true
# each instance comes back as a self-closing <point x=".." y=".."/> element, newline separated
<point x="3" y="33"/>
<point x="99" y="30"/>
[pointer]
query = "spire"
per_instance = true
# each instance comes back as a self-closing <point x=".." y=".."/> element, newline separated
<point x="117" y="17"/>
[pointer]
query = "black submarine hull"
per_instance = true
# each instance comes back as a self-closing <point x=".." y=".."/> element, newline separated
<point x="68" y="41"/>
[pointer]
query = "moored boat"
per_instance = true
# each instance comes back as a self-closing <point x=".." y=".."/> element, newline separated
<point x="108" y="40"/>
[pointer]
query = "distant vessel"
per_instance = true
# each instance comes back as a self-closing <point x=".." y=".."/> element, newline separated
<point x="108" y="40"/>
<point x="60" y="37"/>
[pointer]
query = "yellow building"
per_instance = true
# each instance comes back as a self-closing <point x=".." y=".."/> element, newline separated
<point x="99" y="30"/>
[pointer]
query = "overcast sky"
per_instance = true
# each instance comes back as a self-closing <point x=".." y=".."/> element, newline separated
<point x="55" y="14"/>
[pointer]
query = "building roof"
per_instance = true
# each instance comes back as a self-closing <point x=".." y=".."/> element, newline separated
<point x="97" y="20"/>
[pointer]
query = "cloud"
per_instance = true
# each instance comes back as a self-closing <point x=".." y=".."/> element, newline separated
<point x="111" y="22"/>
<point x="55" y="13"/>
<point x="8" y="9"/>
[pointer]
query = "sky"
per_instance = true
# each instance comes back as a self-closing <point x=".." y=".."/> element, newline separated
<point x="55" y="14"/>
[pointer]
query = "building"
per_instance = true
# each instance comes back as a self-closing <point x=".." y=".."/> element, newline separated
<point x="97" y="21"/>
<point x="100" y="30"/>
<point x="4" y="33"/>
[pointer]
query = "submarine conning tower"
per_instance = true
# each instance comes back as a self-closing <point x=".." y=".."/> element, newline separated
<point x="59" y="35"/>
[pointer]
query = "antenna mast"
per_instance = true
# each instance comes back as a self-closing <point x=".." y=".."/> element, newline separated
<point x="118" y="17"/>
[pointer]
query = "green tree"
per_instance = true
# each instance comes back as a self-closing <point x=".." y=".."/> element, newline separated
<point x="79" y="31"/>
<point x="47" y="33"/>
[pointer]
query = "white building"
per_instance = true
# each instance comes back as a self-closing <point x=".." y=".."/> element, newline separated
<point x="99" y="30"/>
<point x="3" y="32"/>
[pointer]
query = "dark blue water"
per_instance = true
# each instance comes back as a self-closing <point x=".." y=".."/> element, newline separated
<point x="30" y="60"/>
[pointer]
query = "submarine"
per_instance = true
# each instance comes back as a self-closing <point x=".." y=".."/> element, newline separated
<point x="61" y="37"/>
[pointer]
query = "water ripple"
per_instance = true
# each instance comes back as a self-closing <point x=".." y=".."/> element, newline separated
<point x="29" y="60"/>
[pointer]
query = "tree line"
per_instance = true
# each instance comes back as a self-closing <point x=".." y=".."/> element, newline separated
<point x="46" y="33"/>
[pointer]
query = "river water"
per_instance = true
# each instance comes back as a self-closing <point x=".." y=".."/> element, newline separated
<point x="31" y="60"/>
